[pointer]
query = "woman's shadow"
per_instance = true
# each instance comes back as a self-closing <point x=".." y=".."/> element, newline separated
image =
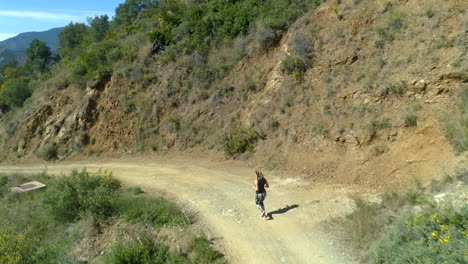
<point x="281" y="210"/>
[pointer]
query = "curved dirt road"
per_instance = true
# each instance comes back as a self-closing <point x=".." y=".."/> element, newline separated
<point x="222" y="195"/>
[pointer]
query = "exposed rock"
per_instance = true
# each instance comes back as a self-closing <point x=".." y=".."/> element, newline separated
<point x="418" y="86"/>
<point x="461" y="76"/>
<point x="99" y="83"/>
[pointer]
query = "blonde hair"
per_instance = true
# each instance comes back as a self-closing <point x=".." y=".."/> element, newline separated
<point x="259" y="175"/>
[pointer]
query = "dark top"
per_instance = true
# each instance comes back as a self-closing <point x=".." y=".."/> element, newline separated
<point x="261" y="186"/>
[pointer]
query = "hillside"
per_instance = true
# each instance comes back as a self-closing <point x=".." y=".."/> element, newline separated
<point x="21" y="41"/>
<point x="356" y="111"/>
<point x="351" y="92"/>
<point x="9" y="55"/>
<point x="13" y="49"/>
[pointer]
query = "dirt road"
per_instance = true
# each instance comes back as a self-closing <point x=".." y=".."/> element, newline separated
<point x="222" y="194"/>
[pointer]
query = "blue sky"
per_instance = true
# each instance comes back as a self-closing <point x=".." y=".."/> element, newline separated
<point x="18" y="16"/>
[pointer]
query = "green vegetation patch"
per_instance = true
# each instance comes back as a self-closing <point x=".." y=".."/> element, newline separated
<point x="204" y="253"/>
<point x="145" y="251"/>
<point x="239" y="140"/>
<point x="411" y="227"/>
<point x="81" y="194"/>
<point x="157" y="212"/>
<point x="431" y="236"/>
<point x="13" y="246"/>
<point x="456" y="123"/>
<point x="47" y="226"/>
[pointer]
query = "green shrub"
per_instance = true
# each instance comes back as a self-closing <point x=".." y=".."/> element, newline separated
<point x="14" y="92"/>
<point x="363" y="223"/>
<point x="136" y="190"/>
<point x="14" y="247"/>
<point x="411" y="120"/>
<point x="3" y="185"/>
<point x="300" y="56"/>
<point x="429" y="12"/>
<point x="395" y="21"/>
<point x="82" y="193"/>
<point x="127" y="104"/>
<point x="264" y="38"/>
<point x="431" y="236"/>
<point x="381" y="123"/>
<point x="53" y="252"/>
<point x="3" y="180"/>
<point x="456" y="123"/>
<point x="145" y="251"/>
<point x="93" y="64"/>
<point x="320" y="129"/>
<point x="398" y="89"/>
<point x="293" y="65"/>
<point x="173" y="124"/>
<point x="385" y="34"/>
<point x="204" y="253"/>
<point x="156" y="212"/>
<point x="49" y="152"/>
<point x="239" y="140"/>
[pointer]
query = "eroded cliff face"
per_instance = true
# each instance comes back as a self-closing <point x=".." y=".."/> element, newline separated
<point x="369" y="109"/>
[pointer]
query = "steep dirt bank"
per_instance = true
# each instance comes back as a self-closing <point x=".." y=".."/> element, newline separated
<point x="222" y="196"/>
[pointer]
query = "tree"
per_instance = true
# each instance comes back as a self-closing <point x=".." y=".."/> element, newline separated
<point x="71" y="37"/>
<point x="14" y="92"/>
<point x="38" y="56"/>
<point x="127" y="12"/>
<point x="99" y="26"/>
<point x="5" y="70"/>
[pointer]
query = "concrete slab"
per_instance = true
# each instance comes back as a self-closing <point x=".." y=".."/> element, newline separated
<point x="29" y="186"/>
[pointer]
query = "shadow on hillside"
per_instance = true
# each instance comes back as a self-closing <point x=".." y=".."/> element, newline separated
<point x="281" y="210"/>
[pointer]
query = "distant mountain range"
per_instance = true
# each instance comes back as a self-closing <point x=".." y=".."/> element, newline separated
<point x="14" y="48"/>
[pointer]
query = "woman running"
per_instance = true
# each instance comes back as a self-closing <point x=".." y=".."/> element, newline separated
<point x="260" y="184"/>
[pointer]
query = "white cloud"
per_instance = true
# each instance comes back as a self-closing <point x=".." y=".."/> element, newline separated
<point x="4" y="36"/>
<point x="40" y="15"/>
<point x="60" y="15"/>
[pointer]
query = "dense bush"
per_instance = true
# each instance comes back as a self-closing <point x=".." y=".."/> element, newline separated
<point x="239" y="140"/>
<point x="80" y="194"/>
<point x="14" y="92"/>
<point x="93" y="64"/>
